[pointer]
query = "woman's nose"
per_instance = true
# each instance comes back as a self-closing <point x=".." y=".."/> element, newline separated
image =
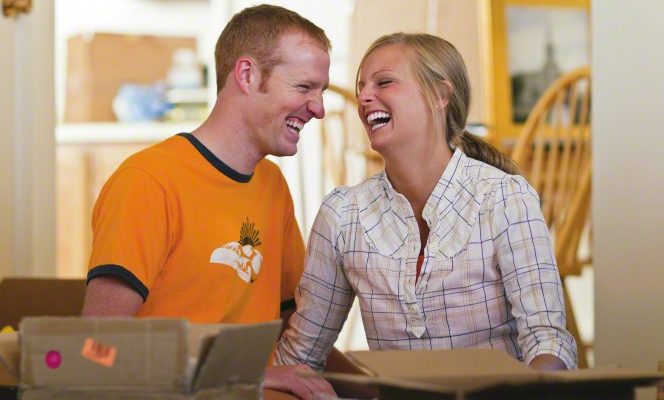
<point x="365" y="96"/>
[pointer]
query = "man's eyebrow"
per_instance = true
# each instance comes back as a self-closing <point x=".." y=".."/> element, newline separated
<point x="315" y="84"/>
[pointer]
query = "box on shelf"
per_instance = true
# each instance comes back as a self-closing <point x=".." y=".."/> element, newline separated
<point x="99" y="63"/>
<point x="109" y="358"/>
<point x="483" y="374"/>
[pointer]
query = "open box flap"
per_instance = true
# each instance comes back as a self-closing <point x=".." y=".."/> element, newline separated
<point x="429" y="365"/>
<point x="238" y="355"/>
<point x="475" y="370"/>
<point x="605" y="374"/>
<point x="9" y="359"/>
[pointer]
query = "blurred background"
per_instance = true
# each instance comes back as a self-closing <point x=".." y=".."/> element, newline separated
<point x="95" y="81"/>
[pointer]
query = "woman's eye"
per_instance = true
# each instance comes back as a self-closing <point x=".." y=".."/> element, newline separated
<point x="384" y="82"/>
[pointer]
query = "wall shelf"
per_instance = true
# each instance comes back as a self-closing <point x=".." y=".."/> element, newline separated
<point x="115" y="132"/>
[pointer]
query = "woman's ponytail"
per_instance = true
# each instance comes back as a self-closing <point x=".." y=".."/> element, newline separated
<point x="475" y="147"/>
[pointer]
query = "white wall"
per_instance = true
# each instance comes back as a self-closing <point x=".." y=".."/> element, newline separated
<point x="8" y="122"/>
<point x="628" y="197"/>
<point x="27" y="223"/>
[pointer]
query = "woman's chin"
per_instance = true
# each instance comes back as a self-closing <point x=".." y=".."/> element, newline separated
<point x="378" y="145"/>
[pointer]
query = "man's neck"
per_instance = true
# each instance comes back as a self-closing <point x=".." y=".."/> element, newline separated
<point x="225" y="135"/>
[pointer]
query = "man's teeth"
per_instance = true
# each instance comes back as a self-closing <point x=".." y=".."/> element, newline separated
<point x="295" y="125"/>
<point x="378" y="119"/>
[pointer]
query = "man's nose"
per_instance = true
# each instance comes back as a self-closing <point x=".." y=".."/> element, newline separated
<point x="316" y="107"/>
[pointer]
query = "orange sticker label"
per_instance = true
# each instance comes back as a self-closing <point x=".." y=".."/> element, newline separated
<point x="98" y="352"/>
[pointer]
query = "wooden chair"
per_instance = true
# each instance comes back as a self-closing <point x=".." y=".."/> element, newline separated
<point x="554" y="153"/>
<point x="347" y="155"/>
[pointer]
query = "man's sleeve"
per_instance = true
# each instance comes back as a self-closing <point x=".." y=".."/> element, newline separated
<point x="293" y="259"/>
<point x="130" y="226"/>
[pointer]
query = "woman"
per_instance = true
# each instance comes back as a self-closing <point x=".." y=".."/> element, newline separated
<point x="446" y="248"/>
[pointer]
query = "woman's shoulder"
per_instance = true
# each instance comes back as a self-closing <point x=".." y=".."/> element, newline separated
<point x="496" y="184"/>
<point x="343" y="199"/>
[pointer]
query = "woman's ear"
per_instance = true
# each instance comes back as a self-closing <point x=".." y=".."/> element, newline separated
<point x="245" y="73"/>
<point x="442" y="103"/>
<point x="444" y="95"/>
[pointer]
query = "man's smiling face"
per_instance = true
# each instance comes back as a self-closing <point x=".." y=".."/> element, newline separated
<point x="292" y="95"/>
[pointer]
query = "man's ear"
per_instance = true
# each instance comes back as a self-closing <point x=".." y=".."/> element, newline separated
<point x="245" y="73"/>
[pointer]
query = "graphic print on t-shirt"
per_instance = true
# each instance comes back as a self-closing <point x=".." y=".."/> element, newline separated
<point x="242" y="256"/>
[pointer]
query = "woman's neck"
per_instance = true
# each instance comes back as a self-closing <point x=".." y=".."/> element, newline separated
<point x="415" y="176"/>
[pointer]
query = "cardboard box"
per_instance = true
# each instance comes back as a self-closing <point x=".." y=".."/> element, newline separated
<point x="105" y="358"/>
<point x="9" y="359"/>
<point x="34" y="297"/>
<point x="98" y="64"/>
<point x="484" y="374"/>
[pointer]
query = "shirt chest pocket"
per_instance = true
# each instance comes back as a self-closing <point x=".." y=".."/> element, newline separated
<point x="372" y="274"/>
<point x="473" y="266"/>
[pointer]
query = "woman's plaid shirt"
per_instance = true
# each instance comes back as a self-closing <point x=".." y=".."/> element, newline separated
<point x="489" y="277"/>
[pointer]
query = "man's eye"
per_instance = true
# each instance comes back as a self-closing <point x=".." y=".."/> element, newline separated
<point x="304" y="88"/>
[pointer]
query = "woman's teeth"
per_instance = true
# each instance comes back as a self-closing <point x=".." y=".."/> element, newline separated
<point x="378" y="119"/>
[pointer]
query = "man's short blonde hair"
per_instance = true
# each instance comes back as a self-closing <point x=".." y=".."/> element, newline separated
<point x="255" y="31"/>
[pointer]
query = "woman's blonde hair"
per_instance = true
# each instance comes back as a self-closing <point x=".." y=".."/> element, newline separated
<point x="441" y="74"/>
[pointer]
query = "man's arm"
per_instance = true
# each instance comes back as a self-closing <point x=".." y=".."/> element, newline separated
<point x="107" y="296"/>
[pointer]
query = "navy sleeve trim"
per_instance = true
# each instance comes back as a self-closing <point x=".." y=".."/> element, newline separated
<point x="121" y="272"/>
<point x="288" y="305"/>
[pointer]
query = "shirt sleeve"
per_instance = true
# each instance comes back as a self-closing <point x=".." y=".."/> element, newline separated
<point x="130" y="227"/>
<point x="293" y="259"/>
<point x="324" y="296"/>
<point x="530" y="274"/>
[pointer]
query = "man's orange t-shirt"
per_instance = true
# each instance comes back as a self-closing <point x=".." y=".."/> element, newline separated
<point x="197" y="239"/>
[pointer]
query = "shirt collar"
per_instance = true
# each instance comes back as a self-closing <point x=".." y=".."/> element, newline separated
<point x="451" y="211"/>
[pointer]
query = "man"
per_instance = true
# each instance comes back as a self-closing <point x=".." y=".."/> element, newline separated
<point x="201" y="225"/>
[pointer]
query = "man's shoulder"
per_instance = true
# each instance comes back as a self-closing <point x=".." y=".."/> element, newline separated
<point x="152" y="163"/>
<point x="157" y="159"/>
<point x="158" y="151"/>
<point x="268" y="165"/>
<point x="270" y="171"/>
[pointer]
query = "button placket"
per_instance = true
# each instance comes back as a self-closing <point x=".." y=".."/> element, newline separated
<point x="407" y="281"/>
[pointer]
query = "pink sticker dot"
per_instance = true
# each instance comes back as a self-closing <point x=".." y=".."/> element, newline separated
<point x="53" y="359"/>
